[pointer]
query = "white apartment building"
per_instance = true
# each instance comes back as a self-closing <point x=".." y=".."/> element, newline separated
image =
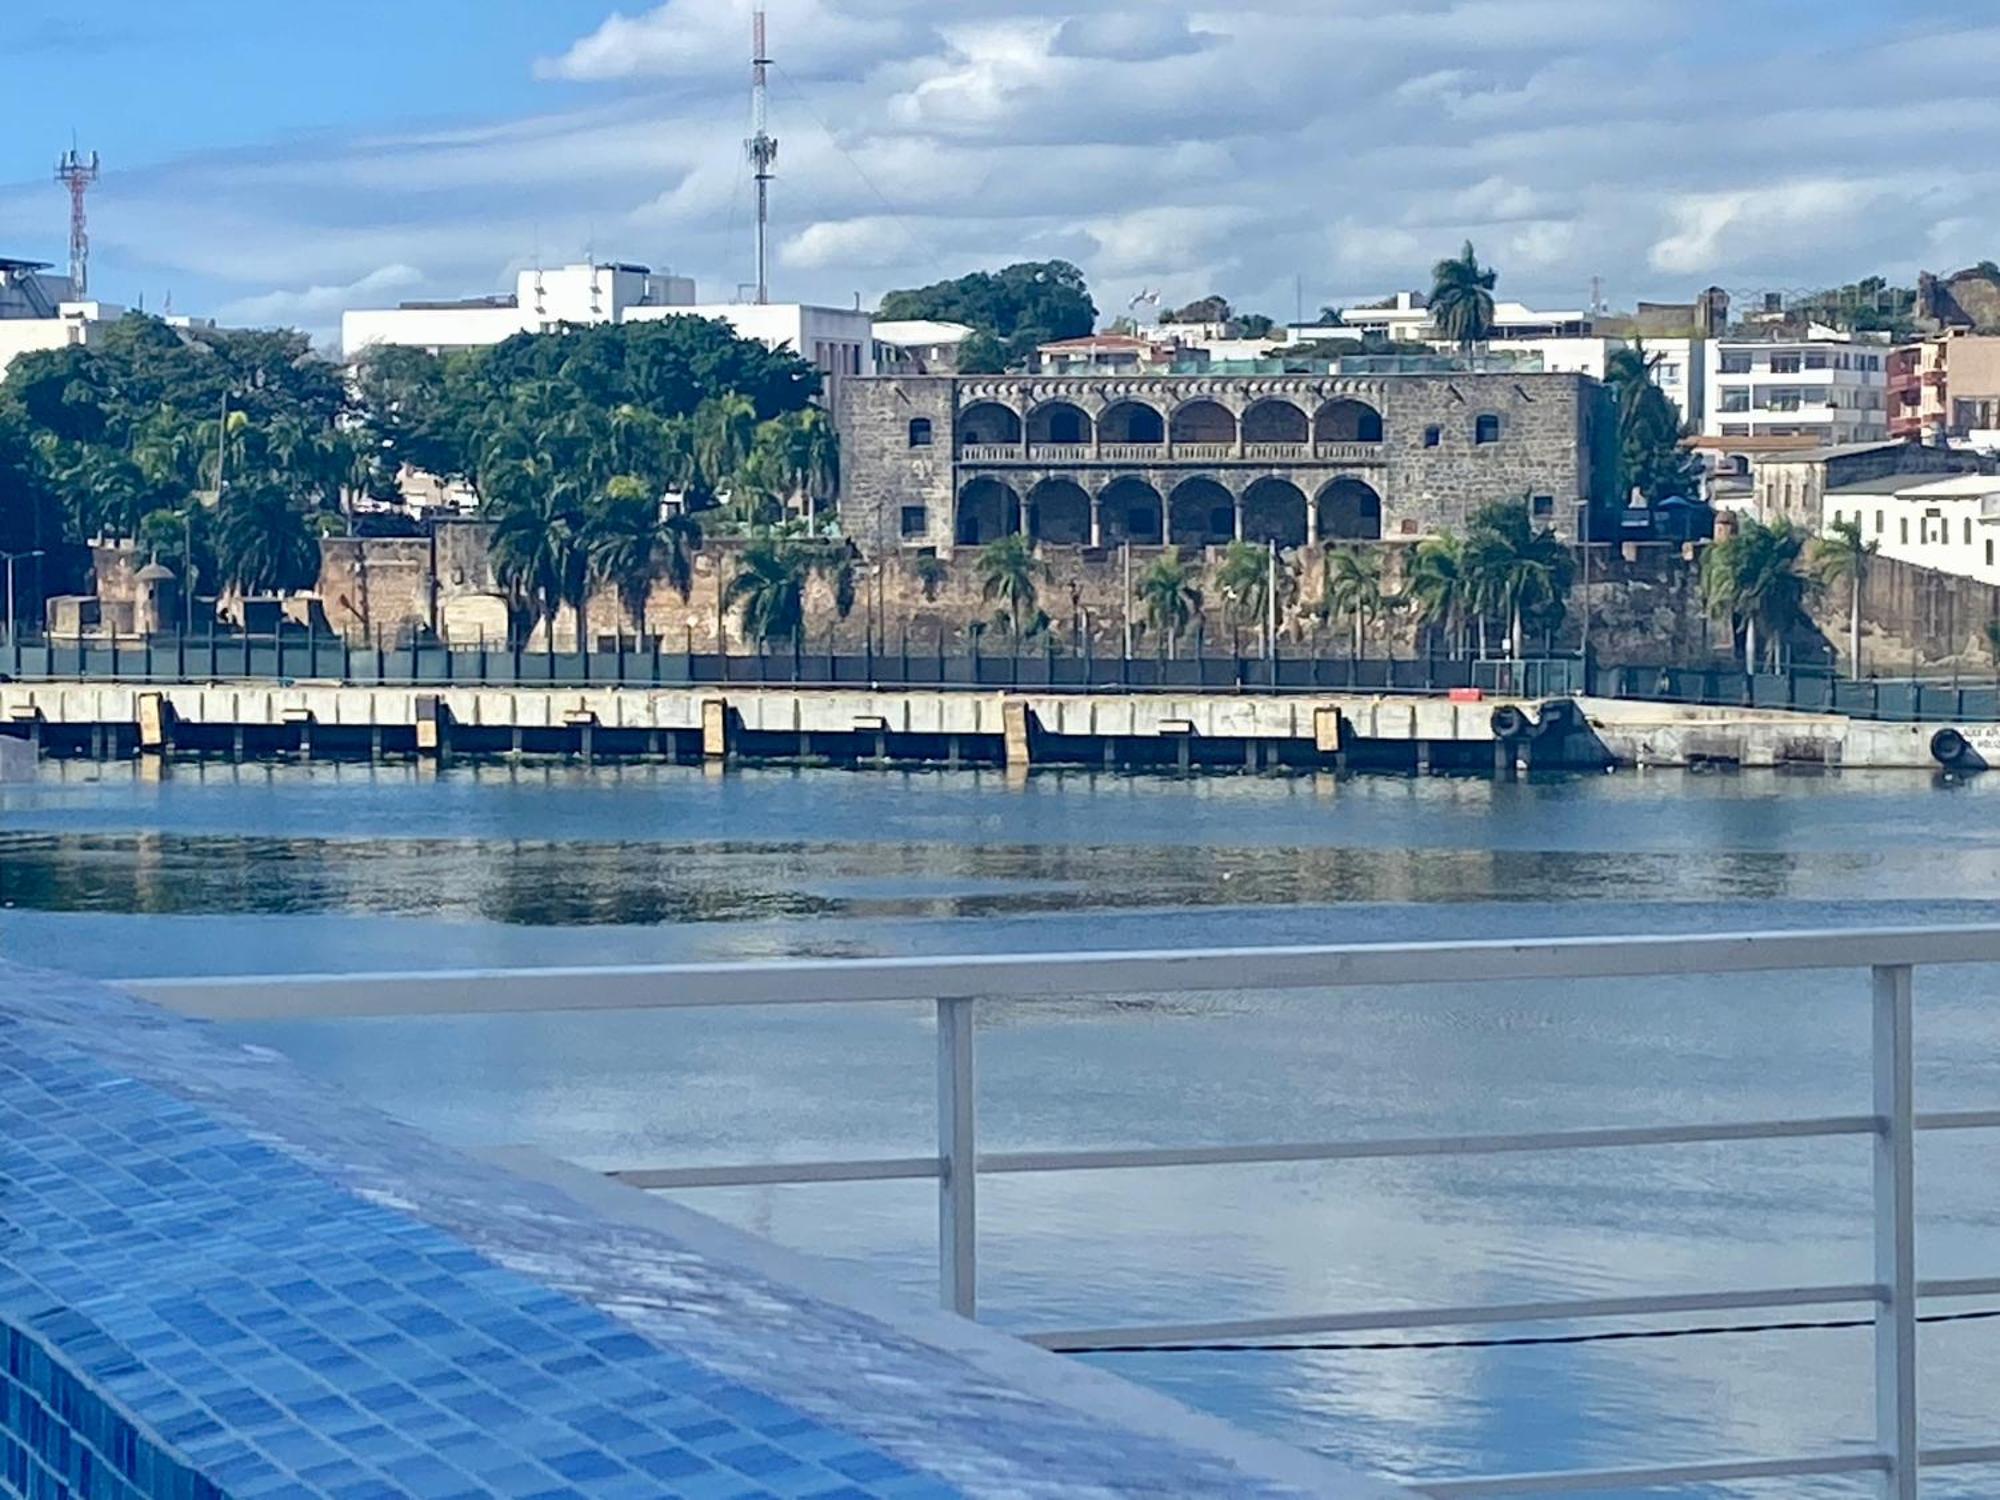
<point x="1950" y="524"/>
<point x="1406" y="317"/>
<point x="838" y="341"/>
<point x="1831" y="389"/>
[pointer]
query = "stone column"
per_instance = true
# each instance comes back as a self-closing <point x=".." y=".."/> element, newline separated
<point x="1238" y="499"/>
<point x="1097" y="520"/>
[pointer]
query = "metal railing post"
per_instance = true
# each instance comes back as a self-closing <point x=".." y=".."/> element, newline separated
<point x="1895" y="1232"/>
<point x="957" y="1162"/>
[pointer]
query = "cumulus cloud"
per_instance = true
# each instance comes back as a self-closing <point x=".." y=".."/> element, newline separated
<point x="1263" y="149"/>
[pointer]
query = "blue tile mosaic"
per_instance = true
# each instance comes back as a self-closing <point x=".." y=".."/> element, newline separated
<point x="219" y="1278"/>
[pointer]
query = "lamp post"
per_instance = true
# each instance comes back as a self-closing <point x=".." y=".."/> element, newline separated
<point x="11" y="558"/>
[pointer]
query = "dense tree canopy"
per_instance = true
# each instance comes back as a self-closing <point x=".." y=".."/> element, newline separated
<point x="1016" y="308"/>
<point x="1650" y="457"/>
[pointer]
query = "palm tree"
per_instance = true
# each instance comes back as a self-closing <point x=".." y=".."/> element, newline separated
<point x="1753" y="578"/>
<point x="263" y="542"/>
<point x="630" y="546"/>
<point x="541" y="555"/>
<point x="1009" y="573"/>
<point x="769" y="589"/>
<point x="725" y="431"/>
<point x="1243" y="578"/>
<point x="1843" y="554"/>
<point x="1435" y="588"/>
<point x="1354" y="589"/>
<point x="1167" y="592"/>
<point x="1515" y="570"/>
<point x="805" y="452"/>
<point x="1462" y="299"/>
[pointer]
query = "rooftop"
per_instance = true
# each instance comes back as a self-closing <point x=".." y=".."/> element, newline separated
<point x="912" y="332"/>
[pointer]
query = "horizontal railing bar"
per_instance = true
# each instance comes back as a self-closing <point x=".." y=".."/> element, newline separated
<point x="1964" y="1286"/>
<point x="888" y="1169"/>
<point x="1447" y="1145"/>
<point x="1059" y="976"/>
<point x="1016" y="1162"/>
<point x="1961" y="1119"/>
<point x="1945" y="1458"/>
<point x="1585" y="1481"/>
<point x="1070" y="1339"/>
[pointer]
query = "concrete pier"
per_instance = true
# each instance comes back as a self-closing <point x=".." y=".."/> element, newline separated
<point x="924" y="726"/>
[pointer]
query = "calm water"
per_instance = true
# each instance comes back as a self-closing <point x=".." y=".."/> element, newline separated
<point x="326" y="868"/>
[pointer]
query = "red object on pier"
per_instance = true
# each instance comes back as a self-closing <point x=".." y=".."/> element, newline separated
<point x="1467" y="695"/>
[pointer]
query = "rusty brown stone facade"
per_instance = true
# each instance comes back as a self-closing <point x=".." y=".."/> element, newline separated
<point x="939" y="462"/>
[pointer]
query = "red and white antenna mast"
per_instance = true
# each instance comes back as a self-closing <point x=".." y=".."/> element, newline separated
<point x="77" y="172"/>
<point x="763" y="147"/>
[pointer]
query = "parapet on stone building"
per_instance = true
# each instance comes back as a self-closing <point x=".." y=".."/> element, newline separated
<point x="939" y="461"/>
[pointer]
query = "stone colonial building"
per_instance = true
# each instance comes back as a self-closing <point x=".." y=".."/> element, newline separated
<point x="1096" y="461"/>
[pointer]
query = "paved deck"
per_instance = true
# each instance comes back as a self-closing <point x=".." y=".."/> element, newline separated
<point x="218" y="1277"/>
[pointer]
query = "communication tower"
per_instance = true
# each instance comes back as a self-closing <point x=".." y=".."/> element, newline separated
<point x="763" y="148"/>
<point x="77" y="172"/>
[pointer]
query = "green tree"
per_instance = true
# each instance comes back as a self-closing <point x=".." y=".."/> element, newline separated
<point x="1243" y="579"/>
<point x="1843" y="555"/>
<point x="768" y="589"/>
<point x="1515" y="570"/>
<point x="630" y="546"/>
<point x="1650" y="456"/>
<point x="1169" y="597"/>
<point x="1354" y="590"/>
<point x="1461" y="304"/>
<point x="1019" y="306"/>
<point x="541" y="554"/>
<point x="1009" y="578"/>
<point x="264" y="541"/>
<point x="1435" y="588"/>
<point x="1753" y="579"/>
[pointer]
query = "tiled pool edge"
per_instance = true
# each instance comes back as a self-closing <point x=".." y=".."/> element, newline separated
<point x="925" y="1404"/>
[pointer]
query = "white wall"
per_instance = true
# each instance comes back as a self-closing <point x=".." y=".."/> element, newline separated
<point x="1956" y="531"/>
<point x="435" y="328"/>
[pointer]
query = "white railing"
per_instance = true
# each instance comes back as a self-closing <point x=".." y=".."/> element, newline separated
<point x="957" y="986"/>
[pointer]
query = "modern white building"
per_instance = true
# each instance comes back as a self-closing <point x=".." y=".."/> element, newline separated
<point x="1678" y="364"/>
<point x="839" y="341"/>
<point x="1950" y="524"/>
<point x="1406" y="317"/>
<point x="37" y="312"/>
<point x="1833" y="389"/>
<point x="919" y="346"/>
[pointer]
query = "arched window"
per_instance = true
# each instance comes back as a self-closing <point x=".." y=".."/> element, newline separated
<point x="920" y="432"/>
<point x="1486" y="428"/>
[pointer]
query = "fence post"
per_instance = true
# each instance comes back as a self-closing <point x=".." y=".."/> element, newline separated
<point x="1895" y="1233"/>
<point x="957" y="1159"/>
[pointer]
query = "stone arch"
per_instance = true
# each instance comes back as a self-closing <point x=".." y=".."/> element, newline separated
<point x="1131" y="422"/>
<point x="1346" y="420"/>
<point x="1276" y="420"/>
<point x="1059" y="513"/>
<point x="987" y="511"/>
<point x="1132" y="511"/>
<point x="988" y="423"/>
<point x="1274" y="510"/>
<point x="1062" y="423"/>
<point x="1349" y="511"/>
<point x="1201" y="513"/>
<point x="1203" y="421"/>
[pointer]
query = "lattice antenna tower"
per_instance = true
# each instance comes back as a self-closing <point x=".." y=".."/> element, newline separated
<point x="763" y="148"/>
<point x="78" y="172"/>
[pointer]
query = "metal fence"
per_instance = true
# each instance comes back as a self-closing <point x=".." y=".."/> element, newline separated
<point x="958" y="987"/>
<point x="299" y="657"/>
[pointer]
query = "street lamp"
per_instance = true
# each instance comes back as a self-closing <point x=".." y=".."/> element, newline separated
<point x="10" y="558"/>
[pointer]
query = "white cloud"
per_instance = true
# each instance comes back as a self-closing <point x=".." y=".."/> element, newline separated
<point x="313" y="305"/>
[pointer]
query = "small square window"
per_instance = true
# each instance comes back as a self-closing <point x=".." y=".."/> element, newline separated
<point x="1543" y="506"/>
<point x="1486" y="429"/>
<point x="1409" y="528"/>
<point x="916" y="520"/>
<point x="1433" y="436"/>
<point x="920" y="432"/>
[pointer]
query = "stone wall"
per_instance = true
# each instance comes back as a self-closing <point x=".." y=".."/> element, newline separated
<point x="1914" y="618"/>
<point x="1793" y="487"/>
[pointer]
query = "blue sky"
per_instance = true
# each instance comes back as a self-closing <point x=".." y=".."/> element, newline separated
<point x="275" y="162"/>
